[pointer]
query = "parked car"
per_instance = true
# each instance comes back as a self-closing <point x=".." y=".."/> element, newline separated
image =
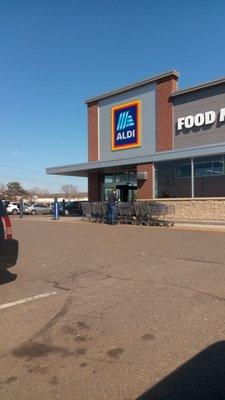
<point x="14" y="208"/>
<point x="8" y="245"/>
<point x="72" y="208"/>
<point x="38" y="208"/>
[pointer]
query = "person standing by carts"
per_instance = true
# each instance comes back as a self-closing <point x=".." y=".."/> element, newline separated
<point x="111" y="206"/>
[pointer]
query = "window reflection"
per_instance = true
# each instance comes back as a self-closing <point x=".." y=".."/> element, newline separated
<point x="123" y="178"/>
<point x="209" y="178"/>
<point x="173" y="179"/>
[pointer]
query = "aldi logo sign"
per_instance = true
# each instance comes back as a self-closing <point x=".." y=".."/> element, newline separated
<point x="126" y="126"/>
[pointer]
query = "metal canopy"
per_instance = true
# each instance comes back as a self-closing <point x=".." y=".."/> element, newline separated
<point x="83" y="170"/>
<point x="127" y="164"/>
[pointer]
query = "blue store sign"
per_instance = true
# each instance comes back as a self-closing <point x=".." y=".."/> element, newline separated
<point x="126" y="126"/>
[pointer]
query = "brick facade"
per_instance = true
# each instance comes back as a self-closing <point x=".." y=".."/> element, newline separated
<point x="145" y="187"/>
<point x="164" y="113"/>
<point x="164" y="138"/>
<point x="93" y="131"/>
<point x="94" y="187"/>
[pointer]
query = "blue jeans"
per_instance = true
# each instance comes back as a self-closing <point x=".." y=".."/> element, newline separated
<point x="111" y="213"/>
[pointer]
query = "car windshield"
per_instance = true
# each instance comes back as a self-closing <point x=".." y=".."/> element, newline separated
<point x="70" y="204"/>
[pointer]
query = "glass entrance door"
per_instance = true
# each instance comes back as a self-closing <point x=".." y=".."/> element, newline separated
<point x="124" y="182"/>
<point x="122" y="192"/>
<point x="126" y="193"/>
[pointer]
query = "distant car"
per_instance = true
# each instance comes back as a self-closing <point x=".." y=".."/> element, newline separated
<point x="38" y="208"/>
<point x="8" y="245"/>
<point x="71" y="208"/>
<point x="14" y="208"/>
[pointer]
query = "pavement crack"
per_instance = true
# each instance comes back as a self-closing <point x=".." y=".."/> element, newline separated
<point x="60" y="287"/>
<point x="199" y="260"/>
<point x="56" y="284"/>
<point x="53" y="321"/>
<point x="211" y="295"/>
<point x="43" y="332"/>
<point x="74" y="275"/>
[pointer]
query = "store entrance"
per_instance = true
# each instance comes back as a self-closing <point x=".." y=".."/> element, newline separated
<point x="126" y="192"/>
<point x="125" y="183"/>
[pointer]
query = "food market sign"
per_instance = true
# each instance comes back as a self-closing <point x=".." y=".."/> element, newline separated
<point x="125" y="125"/>
<point x="200" y="119"/>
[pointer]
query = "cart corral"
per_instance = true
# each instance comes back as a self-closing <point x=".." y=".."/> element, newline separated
<point x="136" y="213"/>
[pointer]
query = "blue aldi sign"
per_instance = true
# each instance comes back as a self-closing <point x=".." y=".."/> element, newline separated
<point x="126" y="126"/>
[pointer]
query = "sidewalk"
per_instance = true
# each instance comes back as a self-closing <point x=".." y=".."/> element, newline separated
<point x="180" y="224"/>
<point x="201" y="225"/>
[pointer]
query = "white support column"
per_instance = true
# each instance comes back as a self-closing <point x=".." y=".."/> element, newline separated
<point x="153" y="181"/>
<point x="192" y="178"/>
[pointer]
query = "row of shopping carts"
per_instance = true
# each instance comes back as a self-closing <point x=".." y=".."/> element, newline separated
<point x="141" y="213"/>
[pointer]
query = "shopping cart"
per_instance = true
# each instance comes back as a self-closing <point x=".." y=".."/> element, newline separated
<point x="157" y="213"/>
<point x="126" y="213"/>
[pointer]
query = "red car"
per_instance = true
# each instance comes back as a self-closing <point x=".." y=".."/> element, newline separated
<point x="8" y="245"/>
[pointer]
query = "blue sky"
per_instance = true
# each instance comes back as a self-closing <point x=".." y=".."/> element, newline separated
<point x="55" y="54"/>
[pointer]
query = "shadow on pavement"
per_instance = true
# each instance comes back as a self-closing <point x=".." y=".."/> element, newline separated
<point x="6" y="277"/>
<point x="201" y="378"/>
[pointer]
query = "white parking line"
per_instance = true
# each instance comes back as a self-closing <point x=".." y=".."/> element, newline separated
<point x="15" y="303"/>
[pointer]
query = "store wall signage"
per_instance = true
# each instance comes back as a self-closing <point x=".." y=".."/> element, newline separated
<point x="200" y="119"/>
<point x="125" y="126"/>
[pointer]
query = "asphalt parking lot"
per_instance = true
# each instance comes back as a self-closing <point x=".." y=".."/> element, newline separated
<point x="113" y="312"/>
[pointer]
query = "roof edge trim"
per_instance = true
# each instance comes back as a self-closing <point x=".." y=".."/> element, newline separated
<point x="134" y="85"/>
<point x="198" y="87"/>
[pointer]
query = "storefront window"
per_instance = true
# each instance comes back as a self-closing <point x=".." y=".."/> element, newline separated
<point x="209" y="178"/>
<point x="203" y="169"/>
<point x="121" y="178"/>
<point x="173" y="179"/>
<point x="218" y="168"/>
<point x="109" y="178"/>
<point x="184" y="171"/>
<point x="133" y="178"/>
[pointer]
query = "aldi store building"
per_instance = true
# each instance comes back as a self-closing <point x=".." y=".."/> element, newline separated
<point x="150" y="140"/>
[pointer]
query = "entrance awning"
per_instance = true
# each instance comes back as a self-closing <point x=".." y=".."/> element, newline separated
<point x="85" y="169"/>
<point x="126" y="164"/>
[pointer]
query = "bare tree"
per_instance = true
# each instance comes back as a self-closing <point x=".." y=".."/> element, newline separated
<point x="37" y="191"/>
<point x="69" y="191"/>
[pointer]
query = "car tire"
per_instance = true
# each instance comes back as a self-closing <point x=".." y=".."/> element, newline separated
<point x="67" y="212"/>
<point x="14" y="212"/>
<point x="33" y="212"/>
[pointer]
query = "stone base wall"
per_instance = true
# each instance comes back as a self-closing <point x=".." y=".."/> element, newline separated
<point x="203" y="209"/>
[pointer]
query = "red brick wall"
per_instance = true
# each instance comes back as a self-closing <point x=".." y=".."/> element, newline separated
<point x="145" y="187"/>
<point x="94" y="187"/>
<point x="164" y="113"/>
<point x="93" y="131"/>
